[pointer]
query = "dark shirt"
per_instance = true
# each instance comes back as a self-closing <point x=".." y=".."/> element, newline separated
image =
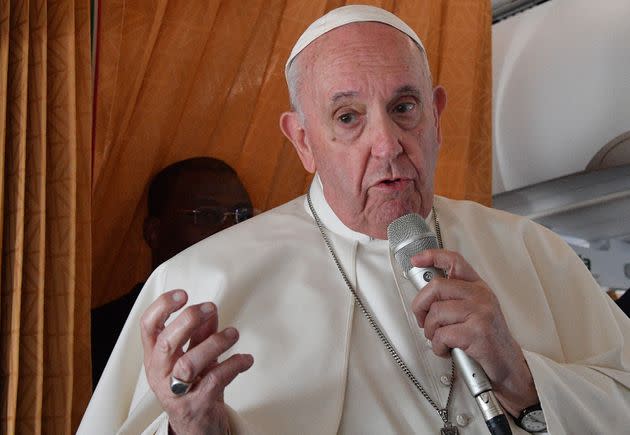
<point x="107" y="322"/>
<point x="624" y="302"/>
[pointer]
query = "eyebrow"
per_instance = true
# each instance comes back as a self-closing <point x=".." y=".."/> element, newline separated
<point x="408" y="90"/>
<point x="403" y="90"/>
<point x="344" y="94"/>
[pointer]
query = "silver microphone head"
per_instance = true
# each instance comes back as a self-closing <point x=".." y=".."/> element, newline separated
<point x="409" y="235"/>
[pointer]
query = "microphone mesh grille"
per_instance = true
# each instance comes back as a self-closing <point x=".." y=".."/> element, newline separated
<point x="409" y="235"/>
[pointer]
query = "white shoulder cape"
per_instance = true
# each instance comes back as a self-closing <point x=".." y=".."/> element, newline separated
<point x="272" y="278"/>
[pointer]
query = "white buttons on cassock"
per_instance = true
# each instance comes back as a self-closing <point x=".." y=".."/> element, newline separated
<point x="429" y="344"/>
<point x="462" y="420"/>
<point x="446" y="380"/>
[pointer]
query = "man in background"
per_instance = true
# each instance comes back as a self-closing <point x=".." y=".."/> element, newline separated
<point x="188" y="201"/>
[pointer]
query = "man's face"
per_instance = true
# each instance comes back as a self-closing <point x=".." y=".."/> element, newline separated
<point x="192" y="204"/>
<point x="370" y="127"/>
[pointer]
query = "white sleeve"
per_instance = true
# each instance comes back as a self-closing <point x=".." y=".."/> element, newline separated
<point x="158" y="427"/>
<point x="585" y="387"/>
<point x="122" y="397"/>
<point x="579" y="398"/>
<point x="238" y="426"/>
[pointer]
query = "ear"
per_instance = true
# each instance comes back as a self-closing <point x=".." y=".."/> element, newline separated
<point x="151" y="231"/>
<point x="292" y="127"/>
<point x="439" y="103"/>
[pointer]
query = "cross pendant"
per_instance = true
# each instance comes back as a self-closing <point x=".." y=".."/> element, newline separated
<point x="449" y="429"/>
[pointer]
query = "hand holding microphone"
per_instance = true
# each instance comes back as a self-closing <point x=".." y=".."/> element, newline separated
<point x="462" y="318"/>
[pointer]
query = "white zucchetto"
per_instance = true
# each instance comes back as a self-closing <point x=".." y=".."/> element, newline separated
<point x="346" y="15"/>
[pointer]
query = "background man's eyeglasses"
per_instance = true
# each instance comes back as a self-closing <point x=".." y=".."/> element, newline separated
<point x="217" y="215"/>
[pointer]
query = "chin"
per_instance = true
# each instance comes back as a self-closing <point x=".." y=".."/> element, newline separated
<point x="392" y="210"/>
<point x="386" y="210"/>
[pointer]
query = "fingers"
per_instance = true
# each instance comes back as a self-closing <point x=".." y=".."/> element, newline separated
<point x="461" y="311"/>
<point x="441" y="289"/>
<point x="206" y="329"/>
<point x="449" y="337"/>
<point x="443" y="313"/>
<point x="458" y="311"/>
<point x="199" y="363"/>
<point x="169" y="344"/>
<point x="153" y="319"/>
<point x="197" y="359"/>
<point x="216" y="379"/>
<point x="201" y="408"/>
<point x="451" y="262"/>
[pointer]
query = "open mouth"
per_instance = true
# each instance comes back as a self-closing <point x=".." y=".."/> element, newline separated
<point x="394" y="183"/>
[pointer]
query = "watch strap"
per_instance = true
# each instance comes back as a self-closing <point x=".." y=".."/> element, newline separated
<point x="525" y="412"/>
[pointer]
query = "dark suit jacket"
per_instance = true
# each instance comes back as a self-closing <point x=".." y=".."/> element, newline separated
<point x="624" y="302"/>
<point x="107" y="322"/>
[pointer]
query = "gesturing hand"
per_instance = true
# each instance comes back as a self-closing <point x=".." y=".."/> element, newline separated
<point x="201" y="410"/>
<point x="463" y="312"/>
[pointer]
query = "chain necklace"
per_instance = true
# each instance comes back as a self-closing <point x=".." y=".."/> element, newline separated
<point x="448" y="428"/>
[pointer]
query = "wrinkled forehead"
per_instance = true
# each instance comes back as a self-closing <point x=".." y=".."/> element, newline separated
<point x="371" y="54"/>
<point x="346" y="15"/>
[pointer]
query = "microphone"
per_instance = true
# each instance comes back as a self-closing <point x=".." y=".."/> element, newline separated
<point x="409" y="235"/>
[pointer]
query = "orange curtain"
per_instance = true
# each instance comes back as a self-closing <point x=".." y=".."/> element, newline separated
<point x="45" y="157"/>
<point x="177" y="79"/>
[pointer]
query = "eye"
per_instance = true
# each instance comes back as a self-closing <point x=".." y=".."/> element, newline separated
<point x="404" y="107"/>
<point x="347" y="118"/>
<point x="211" y="213"/>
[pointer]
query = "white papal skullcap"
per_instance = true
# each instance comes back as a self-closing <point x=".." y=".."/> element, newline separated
<point x="346" y="15"/>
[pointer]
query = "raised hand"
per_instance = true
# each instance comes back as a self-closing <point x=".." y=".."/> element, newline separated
<point x="198" y="409"/>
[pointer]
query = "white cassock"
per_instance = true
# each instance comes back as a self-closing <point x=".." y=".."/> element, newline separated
<point x="320" y="369"/>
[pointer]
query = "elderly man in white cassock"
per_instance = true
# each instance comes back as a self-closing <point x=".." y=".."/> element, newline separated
<point x="301" y="321"/>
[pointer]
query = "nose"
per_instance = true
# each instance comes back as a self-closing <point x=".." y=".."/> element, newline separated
<point x="385" y="138"/>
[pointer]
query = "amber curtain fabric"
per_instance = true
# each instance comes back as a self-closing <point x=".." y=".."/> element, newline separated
<point x="177" y="79"/>
<point x="45" y="189"/>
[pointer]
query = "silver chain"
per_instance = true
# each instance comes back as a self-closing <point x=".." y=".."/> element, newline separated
<point x="443" y="412"/>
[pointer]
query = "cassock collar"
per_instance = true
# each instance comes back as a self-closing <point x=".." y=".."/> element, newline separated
<point x="329" y="218"/>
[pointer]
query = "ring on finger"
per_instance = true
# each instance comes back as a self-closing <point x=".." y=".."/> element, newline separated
<point x="179" y="387"/>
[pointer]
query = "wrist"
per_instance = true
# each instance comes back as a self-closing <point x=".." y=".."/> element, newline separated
<point x="518" y="391"/>
<point x="514" y="406"/>
<point x="224" y="430"/>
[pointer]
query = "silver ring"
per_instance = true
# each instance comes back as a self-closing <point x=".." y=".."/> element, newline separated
<point x="179" y="387"/>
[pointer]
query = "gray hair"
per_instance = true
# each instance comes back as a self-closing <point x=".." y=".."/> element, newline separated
<point x="294" y="82"/>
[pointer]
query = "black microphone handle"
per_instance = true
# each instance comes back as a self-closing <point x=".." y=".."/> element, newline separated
<point x="471" y="372"/>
